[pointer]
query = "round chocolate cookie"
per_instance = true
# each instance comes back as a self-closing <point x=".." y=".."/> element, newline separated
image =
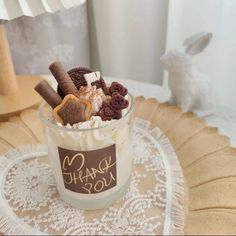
<point x="77" y="76"/>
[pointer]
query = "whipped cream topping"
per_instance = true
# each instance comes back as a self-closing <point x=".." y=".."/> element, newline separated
<point x="85" y="141"/>
<point x="94" y="122"/>
<point x="94" y="95"/>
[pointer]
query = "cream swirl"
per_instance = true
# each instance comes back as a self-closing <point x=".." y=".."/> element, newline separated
<point x="94" y="122"/>
<point x="94" y="95"/>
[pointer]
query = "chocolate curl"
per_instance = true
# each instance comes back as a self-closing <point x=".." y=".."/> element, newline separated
<point x="48" y="93"/>
<point x="64" y="81"/>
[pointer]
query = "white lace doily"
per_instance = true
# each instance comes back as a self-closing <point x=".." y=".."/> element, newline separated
<point x="29" y="202"/>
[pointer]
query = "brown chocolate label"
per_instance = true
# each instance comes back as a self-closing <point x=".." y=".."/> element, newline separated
<point x="88" y="171"/>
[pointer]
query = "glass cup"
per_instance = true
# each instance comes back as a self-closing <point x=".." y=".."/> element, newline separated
<point x="92" y="167"/>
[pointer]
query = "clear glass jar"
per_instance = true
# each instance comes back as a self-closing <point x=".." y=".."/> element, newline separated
<point x="92" y="167"/>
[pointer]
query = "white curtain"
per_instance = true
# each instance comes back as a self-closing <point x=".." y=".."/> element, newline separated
<point x="125" y="38"/>
<point x="130" y="37"/>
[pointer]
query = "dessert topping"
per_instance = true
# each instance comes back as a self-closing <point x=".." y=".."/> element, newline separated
<point x="47" y="92"/>
<point x="64" y="81"/>
<point x="94" y="95"/>
<point x="91" y="77"/>
<point x="107" y="112"/>
<point x="117" y="87"/>
<point x="82" y="93"/>
<point x="72" y="110"/>
<point x="77" y="76"/>
<point x="112" y="109"/>
<point x="101" y="84"/>
<point x="118" y="102"/>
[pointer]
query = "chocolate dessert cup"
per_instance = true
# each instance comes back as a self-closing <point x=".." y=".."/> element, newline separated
<point x="92" y="166"/>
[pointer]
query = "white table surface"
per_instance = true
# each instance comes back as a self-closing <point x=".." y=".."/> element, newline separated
<point x="224" y="118"/>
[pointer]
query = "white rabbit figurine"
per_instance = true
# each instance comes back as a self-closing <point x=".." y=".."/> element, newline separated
<point x="191" y="90"/>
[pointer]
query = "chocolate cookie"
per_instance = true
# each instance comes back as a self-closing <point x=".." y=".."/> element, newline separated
<point x="77" y="76"/>
<point x="118" y="102"/>
<point x="107" y="112"/>
<point x="117" y="87"/>
<point x="112" y="109"/>
<point x="72" y="110"/>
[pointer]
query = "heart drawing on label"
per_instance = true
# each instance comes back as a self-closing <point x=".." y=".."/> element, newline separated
<point x="70" y="163"/>
<point x="88" y="171"/>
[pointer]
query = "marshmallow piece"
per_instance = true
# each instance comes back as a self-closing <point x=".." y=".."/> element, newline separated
<point x="91" y="77"/>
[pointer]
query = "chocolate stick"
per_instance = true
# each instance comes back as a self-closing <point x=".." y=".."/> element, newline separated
<point x="64" y="81"/>
<point x="48" y="93"/>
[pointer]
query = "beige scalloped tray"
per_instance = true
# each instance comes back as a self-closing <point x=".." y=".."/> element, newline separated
<point x="208" y="161"/>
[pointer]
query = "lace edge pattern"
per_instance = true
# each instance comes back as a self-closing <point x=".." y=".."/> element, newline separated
<point x="174" y="213"/>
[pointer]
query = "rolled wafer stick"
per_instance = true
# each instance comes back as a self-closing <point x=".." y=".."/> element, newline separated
<point x="64" y="81"/>
<point x="48" y="93"/>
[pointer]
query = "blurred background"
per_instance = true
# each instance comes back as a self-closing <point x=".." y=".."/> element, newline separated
<point x="125" y="39"/>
